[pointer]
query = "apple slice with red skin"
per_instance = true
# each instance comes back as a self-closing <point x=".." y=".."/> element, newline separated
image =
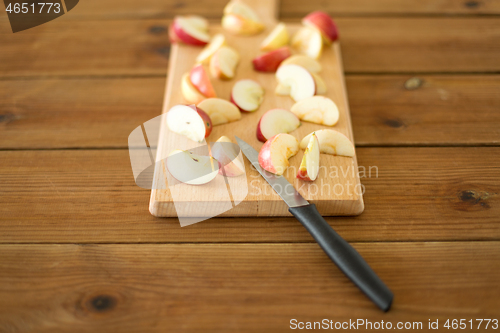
<point x="247" y="95"/>
<point x="308" y="41"/>
<point x="190" y="121"/>
<point x="191" y="30"/>
<point x="172" y="36"/>
<point x="240" y="19"/>
<point x="223" y="63"/>
<point x="276" y="121"/>
<point x="324" y="23"/>
<point x="331" y="142"/>
<point x="309" y="167"/>
<point x="270" y="61"/>
<point x="220" y="111"/>
<point x="300" y="81"/>
<point x="317" y="109"/>
<point x="190" y="168"/>
<point x="277" y="38"/>
<point x="200" y="79"/>
<point x="206" y="54"/>
<point x="189" y="91"/>
<point x="229" y="155"/>
<point x="274" y="154"/>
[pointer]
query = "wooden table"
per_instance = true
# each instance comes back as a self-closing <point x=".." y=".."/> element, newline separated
<point x="80" y="252"/>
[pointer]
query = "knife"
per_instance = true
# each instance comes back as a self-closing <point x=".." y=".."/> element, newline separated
<point x="347" y="259"/>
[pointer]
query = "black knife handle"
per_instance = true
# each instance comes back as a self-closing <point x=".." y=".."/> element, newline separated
<point x="347" y="259"/>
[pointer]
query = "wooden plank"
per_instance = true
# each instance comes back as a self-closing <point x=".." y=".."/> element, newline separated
<point x="154" y="9"/>
<point x="140" y="47"/>
<point x="85" y="48"/>
<point x="59" y="113"/>
<point x="299" y="8"/>
<point x="333" y="195"/>
<point x="62" y="113"/>
<point x="237" y="287"/>
<point x="89" y="196"/>
<point x="437" y="110"/>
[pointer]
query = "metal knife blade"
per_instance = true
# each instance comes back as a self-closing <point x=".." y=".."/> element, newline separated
<point x="279" y="183"/>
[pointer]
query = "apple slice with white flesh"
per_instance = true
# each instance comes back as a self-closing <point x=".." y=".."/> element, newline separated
<point x="192" y="169"/>
<point x="216" y="43"/>
<point x="270" y="61"/>
<point x="331" y="142"/>
<point x="172" y="36"/>
<point x="300" y="81"/>
<point x="247" y="95"/>
<point x="241" y="19"/>
<point x="324" y="23"/>
<point x="317" y="109"/>
<point x="192" y="30"/>
<point x="229" y="155"/>
<point x="276" y="121"/>
<point x="200" y="79"/>
<point x="220" y="111"/>
<point x="189" y="121"/>
<point x="309" y="167"/>
<point x="277" y="38"/>
<point x="308" y="41"/>
<point x="223" y="63"/>
<point x="189" y="91"/>
<point x="312" y="65"/>
<point x="274" y="154"/>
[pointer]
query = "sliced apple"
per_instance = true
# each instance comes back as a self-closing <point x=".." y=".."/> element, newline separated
<point x="277" y="38"/>
<point x="191" y="30"/>
<point x="309" y="167"/>
<point x="216" y="43"/>
<point x="282" y="90"/>
<point x="229" y="155"/>
<point x="331" y="142"/>
<point x="200" y="79"/>
<point x="239" y="25"/>
<point x="320" y="84"/>
<point x="270" y="61"/>
<point x="189" y="91"/>
<point x="300" y="81"/>
<point x="223" y="63"/>
<point x="276" y="121"/>
<point x="189" y="121"/>
<point x="317" y="109"/>
<point x="308" y="41"/>
<point x="324" y="23"/>
<point x="241" y="19"/>
<point x="190" y="168"/>
<point x="172" y="36"/>
<point x="197" y="21"/>
<point x="274" y="154"/>
<point x="312" y="65"/>
<point x="247" y="95"/>
<point x="220" y="111"/>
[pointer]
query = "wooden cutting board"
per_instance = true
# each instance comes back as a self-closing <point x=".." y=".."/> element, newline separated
<point x="336" y="191"/>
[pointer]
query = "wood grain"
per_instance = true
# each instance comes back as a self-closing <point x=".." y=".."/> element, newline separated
<point x="85" y="196"/>
<point x="439" y="110"/>
<point x="101" y="112"/>
<point x="336" y="193"/>
<point x="154" y="9"/>
<point x="236" y="287"/>
<point x="140" y="47"/>
<point x="62" y="113"/>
